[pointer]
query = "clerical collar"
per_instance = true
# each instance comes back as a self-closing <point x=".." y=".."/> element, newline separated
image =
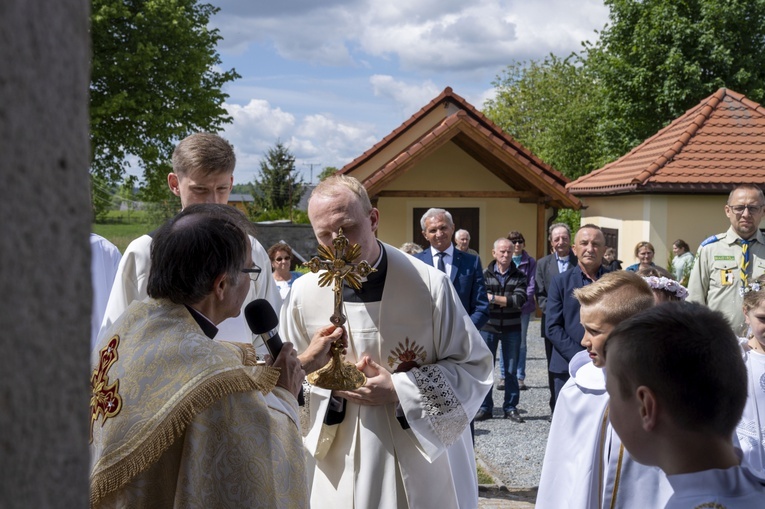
<point x="372" y="288"/>
<point x="204" y="323"/>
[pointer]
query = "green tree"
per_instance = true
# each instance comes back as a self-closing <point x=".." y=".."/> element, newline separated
<point x="657" y="58"/>
<point x="552" y="108"/>
<point x="154" y="81"/>
<point x="279" y="186"/>
<point x="327" y="172"/>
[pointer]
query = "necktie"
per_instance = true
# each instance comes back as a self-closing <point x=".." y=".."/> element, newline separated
<point x="441" y="266"/>
<point x="744" y="260"/>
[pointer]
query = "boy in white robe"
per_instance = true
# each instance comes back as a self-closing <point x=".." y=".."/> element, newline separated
<point x="677" y="387"/>
<point x="751" y="428"/>
<point x="203" y="172"/>
<point x="585" y="464"/>
<point x="401" y="440"/>
<point x="105" y="259"/>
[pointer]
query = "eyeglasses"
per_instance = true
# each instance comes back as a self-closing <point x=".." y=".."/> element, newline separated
<point x="739" y="209"/>
<point x="254" y="273"/>
<point x="516" y="241"/>
<point x="285" y="258"/>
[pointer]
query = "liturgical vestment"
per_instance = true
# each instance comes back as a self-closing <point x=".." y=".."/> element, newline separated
<point x="418" y="452"/>
<point x="181" y="421"/>
<point x="586" y="466"/>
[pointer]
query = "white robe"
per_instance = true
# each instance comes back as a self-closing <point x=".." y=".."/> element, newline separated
<point x="133" y="278"/>
<point x="585" y="459"/>
<point x="751" y="428"/>
<point x="369" y="460"/>
<point x="732" y="488"/>
<point x="104" y="261"/>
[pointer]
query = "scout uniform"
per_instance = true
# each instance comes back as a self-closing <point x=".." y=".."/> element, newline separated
<point x="716" y="275"/>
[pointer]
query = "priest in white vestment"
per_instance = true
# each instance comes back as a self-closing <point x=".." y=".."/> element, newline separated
<point x="402" y="440"/>
<point x="104" y="262"/>
<point x="203" y="166"/>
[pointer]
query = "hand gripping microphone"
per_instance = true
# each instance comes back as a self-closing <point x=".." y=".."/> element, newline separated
<point x="262" y="320"/>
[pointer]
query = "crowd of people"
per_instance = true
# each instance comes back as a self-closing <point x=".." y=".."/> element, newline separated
<point x="654" y="402"/>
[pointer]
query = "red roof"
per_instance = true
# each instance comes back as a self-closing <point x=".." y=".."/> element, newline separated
<point x="476" y="134"/>
<point x="711" y="148"/>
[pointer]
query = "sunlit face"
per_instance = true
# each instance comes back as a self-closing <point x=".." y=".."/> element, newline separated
<point x="745" y="222"/>
<point x="589" y="246"/>
<point x="503" y="253"/>
<point x="438" y="232"/>
<point x="281" y="261"/>
<point x="645" y="255"/>
<point x="343" y="209"/>
<point x="755" y="319"/>
<point x="561" y="241"/>
<point x="462" y="241"/>
<point x="213" y="188"/>
<point x="596" y="331"/>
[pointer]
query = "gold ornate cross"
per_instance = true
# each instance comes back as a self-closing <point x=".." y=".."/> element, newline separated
<point x="340" y="266"/>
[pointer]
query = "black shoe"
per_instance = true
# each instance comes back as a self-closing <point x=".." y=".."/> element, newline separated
<point x="501" y="385"/>
<point x="522" y="386"/>
<point x="514" y="416"/>
<point x="482" y="415"/>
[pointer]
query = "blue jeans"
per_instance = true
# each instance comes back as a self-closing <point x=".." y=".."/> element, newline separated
<point x="521" y="371"/>
<point x="511" y="346"/>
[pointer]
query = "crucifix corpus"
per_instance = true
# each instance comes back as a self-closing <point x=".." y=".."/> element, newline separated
<point x="340" y="267"/>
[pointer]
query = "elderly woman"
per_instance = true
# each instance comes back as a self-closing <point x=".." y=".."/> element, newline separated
<point x="280" y="255"/>
<point x="644" y="252"/>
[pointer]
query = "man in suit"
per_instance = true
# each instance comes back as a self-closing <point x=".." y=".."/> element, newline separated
<point x="464" y="270"/>
<point x="563" y="326"/>
<point x="560" y="260"/>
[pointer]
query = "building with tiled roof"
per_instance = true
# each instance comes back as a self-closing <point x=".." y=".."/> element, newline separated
<point x="450" y="155"/>
<point x="675" y="184"/>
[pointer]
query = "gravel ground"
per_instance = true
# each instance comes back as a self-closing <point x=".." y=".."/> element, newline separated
<point x="514" y="452"/>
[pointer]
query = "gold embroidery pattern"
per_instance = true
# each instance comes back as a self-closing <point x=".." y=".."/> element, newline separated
<point x="105" y="399"/>
<point x="405" y="357"/>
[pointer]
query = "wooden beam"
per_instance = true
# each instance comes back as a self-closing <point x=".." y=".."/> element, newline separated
<point x="459" y="194"/>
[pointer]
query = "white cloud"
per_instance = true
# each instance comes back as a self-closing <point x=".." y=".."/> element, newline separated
<point x="428" y="35"/>
<point x="409" y="98"/>
<point x="314" y="139"/>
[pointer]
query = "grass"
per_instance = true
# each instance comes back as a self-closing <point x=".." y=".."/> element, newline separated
<point x="120" y="231"/>
<point x="484" y="477"/>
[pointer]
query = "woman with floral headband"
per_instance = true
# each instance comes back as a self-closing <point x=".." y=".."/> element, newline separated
<point x="664" y="286"/>
<point x="751" y="428"/>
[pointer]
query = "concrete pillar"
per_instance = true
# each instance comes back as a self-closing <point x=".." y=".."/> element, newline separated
<point x="45" y="293"/>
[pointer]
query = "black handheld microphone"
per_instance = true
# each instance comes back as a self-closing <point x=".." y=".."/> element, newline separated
<point x="262" y="320"/>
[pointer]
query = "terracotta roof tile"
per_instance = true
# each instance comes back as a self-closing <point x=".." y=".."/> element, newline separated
<point x="716" y="144"/>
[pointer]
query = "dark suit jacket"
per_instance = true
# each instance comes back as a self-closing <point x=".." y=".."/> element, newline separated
<point x="564" y="330"/>
<point x="467" y="277"/>
<point x="547" y="269"/>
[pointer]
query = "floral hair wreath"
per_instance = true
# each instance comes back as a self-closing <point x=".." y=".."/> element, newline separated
<point x="751" y="287"/>
<point x="668" y="285"/>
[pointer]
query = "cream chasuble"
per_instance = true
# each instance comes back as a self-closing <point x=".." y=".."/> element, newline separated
<point x="444" y="371"/>
<point x="585" y="465"/>
<point x="181" y="421"/>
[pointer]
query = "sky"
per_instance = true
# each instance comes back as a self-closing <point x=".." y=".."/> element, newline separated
<point x="330" y="78"/>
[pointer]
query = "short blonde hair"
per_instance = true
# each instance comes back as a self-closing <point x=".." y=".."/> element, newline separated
<point x="641" y="245"/>
<point x="329" y="187"/>
<point x="623" y="294"/>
